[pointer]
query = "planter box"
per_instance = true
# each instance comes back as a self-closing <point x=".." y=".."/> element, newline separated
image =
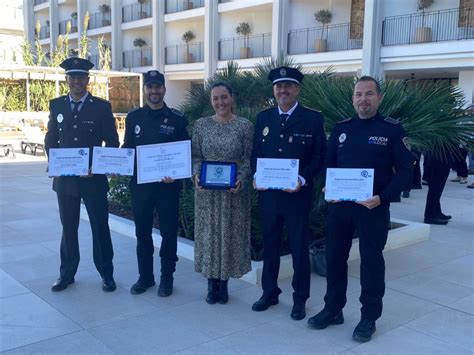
<point x="408" y="233"/>
<point x="320" y="45"/>
<point x="188" y="58"/>
<point x="244" y="52"/>
<point x="423" y="35"/>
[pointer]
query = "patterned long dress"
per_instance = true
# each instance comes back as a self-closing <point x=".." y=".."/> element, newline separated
<point x="222" y="218"/>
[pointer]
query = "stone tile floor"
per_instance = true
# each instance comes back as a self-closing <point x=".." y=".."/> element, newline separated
<point x="428" y="307"/>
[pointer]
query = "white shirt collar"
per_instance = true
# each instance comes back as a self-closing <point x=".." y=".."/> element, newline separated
<point x="81" y="100"/>
<point x="290" y="111"/>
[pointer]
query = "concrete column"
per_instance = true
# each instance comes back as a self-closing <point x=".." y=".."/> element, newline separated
<point x="53" y="23"/>
<point x="158" y="34"/>
<point x="466" y="83"/>
<point x="81" y="13"/>
<point x="279" y="27"/>
<point x="211" y="32"/>
<point x="372" y="39"/>
<point x="29" y="22"/>
<point x="116" y="36"/>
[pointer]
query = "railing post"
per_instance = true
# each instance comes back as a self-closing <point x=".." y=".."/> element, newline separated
<point x="409" y="30"/>
<point x="307" y="40"/>
<point x="233" y="47"/>
<point x="437" y="25"/>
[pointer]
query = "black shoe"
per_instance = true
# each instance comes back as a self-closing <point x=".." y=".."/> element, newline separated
<point x="436" y="220"/>
<point x="425" y="182"/>
<point x="61" y="284"/>
<point x="325" y="318"/>
<point x="406" y="194"/>
<point x="212" y="291"/>
<point x="141" y="286"/>
<point x="223" y="296"/>
<point x="445" y="217"/>
<point x="108" y="285"/>
<point x="263" y="303"/>
<point x="364" y="330"/>
<point x="166" y="286"/>
<point x="298" y="312"/>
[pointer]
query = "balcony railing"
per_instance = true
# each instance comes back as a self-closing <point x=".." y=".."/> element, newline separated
<point x="137" y="58"/>
<point x="63" y="26"/>
<point x="433" y="26"/>
<point x="180" y="53"/>
<point x="134" y="12"/>
<point x="94" y="59"/>
<point x="44" y="32"/>
<point x="99" y="19"/>
<point x="182" y="5"/>
<point x="242" y="47"/>
<point x="38" y="2"/>
<point x="338" y="37"/>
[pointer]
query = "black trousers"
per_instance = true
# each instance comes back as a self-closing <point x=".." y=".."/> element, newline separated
<point x="460" y="164"/>
<point x="438" y="171"/>
<point x="344" y="218"/>
<point x="98" y="211"/>
<point x="166" y="201"/>
<point x="297" y="228"/>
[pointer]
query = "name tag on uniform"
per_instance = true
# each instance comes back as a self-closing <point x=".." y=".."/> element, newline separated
<point x="164" y="129"/>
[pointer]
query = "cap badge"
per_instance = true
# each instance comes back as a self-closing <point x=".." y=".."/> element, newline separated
<point x="265" y="131"/>
<point x="137" y="129"/>
<point x="60" y="118"/>
<point x="283" y="72"/>
<point x="75" y="61"/>
<point x="153" y="73"/>
<point x="342" y="138"/>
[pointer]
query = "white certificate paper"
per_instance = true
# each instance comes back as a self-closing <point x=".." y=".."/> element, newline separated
<point x="349" y="184"/>
<point x="68" y="162"/>
<point x="277" y="173"/>
<point x="107" y="160"/>
<point x="156" y="161"/>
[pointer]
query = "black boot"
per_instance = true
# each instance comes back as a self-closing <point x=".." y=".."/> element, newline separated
<point x="223" y="292"/>
<point x="165" y="288"/>
<point x="212" y="291"/>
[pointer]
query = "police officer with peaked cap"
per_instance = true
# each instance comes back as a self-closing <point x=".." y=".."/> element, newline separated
<point x="80" y="120"/>
<point x="288" y="131"/>
<point x="366" y="141"/>
<point x="155" y="123"/>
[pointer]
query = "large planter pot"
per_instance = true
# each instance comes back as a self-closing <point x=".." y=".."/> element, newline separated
<point x="188" y="57"/>
<point x="188" y="5"/>
<point x="144" y="62"/>
<point x="423" y="34"/>
<point x="244" y="52"/>
<point x="105" y="22"/>
<point x="321" y="45"/>
<point x="73" y="29"/>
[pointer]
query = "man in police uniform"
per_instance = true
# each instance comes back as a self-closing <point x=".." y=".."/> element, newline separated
<point x="155" y="123"/>
<point x="370" y="141"/>
<point x="80" y="120"/>
<point x="288" y="131"/>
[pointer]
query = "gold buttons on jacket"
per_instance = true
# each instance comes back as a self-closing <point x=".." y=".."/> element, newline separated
<point x="75" y="139"/>
<point x="280" y="150"/>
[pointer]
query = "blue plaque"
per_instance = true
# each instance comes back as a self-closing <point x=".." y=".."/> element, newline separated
<point x="218" y="175"/>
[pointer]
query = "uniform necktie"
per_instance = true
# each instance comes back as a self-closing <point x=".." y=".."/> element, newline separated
<point x="75" y="110"/>
<point x="284" y="117"/>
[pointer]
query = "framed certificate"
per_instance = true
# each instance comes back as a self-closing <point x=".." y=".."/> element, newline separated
<point x="277" y="174"/>
<point x="157" y="161"/>
<point x="349" y="184"/>
<point x="218" y="175"/>
<point x="68" y="162"/>
<point x="107" y="160"/>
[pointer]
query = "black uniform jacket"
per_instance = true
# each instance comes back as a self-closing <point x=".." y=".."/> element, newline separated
<point x="94" y="125"/>
<point x="379" y="143"/>
<point x="302" y="137"/>
<point x="146" y="126"/>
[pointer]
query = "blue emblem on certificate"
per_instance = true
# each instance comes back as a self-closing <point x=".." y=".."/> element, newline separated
<point x="218" y="175"/>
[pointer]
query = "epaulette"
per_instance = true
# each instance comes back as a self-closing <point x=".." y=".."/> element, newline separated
<point x="311" y="109"/>
<point x="391" y="120"/>
<point x="346" y="120"/>
<point x="99" y="99"/>
<point x="177" y="113"/>
<point x="268" y="109"/>
<point x="133" y="110"/>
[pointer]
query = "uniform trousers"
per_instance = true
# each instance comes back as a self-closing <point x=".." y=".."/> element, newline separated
<point x="345" y="218"/>
<point x="165" y="199"/>
<point x="297" y="230"/>
<point x="438" y="172"/>
<point x="98" y="211"/>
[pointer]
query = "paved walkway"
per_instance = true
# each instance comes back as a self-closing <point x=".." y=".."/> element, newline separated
<point x="429" y="302"/>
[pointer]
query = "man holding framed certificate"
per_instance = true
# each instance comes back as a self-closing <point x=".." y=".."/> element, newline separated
<point x="288" y="152"/>
<point x="363" y="153"/>
<point x="77" y="123"/>
<point x="154" y="124"/>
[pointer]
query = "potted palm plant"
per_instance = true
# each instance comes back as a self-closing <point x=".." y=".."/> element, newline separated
<point x="423" y="34"/>
<point x="244" y="29"/>
<point x="140" y="43"/>
<point x="74" y="22"/>
<point x="187" y="37"/>
<point x="104" y="10"/>
<point x="188" y="4"/>
<point x="325" y="18"/>
<point x="141" y="14"/>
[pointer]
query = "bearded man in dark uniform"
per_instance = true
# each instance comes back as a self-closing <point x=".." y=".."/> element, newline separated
<point x="288" y="131"/>
<point x="80" y="120"/>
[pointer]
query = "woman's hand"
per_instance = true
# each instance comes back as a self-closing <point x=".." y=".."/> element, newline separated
<point x="238" y="183"/>
<point x="196" y="183"/>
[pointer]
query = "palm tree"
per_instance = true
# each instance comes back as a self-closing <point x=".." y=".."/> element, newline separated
<point x="140" y="42"/>
<point x="187" y="37"/>
<point x="104" y="9"/>
<point x="244" y="29"/>
<point x="325" y="18"/>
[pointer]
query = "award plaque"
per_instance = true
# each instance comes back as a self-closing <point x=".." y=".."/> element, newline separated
<point x="218" y="175"/>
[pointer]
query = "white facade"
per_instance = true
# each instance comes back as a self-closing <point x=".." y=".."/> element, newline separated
<point x="11" y="33"/>
<point x="384" y="38"/>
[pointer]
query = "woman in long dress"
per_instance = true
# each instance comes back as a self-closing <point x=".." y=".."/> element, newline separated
<point x="222" y="217"/>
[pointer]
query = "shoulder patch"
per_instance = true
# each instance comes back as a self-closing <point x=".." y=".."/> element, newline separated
<point x="345" y="120"/>
<point x="391" y="120"/>
<point x="177" y="112"/>
<point x="133" y="110"/>
<point x="268" y="109"/>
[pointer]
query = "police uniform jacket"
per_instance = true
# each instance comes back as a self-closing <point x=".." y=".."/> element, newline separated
<point x="379" y="143"/>
<point x="146" y="126"/>
<point x="301" y="137"/>
<point x="93" y="125"/>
